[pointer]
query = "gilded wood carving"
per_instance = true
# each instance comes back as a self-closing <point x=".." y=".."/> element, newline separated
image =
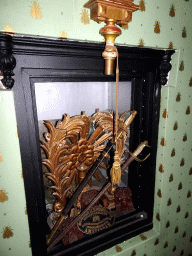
<point x="73" y="145"/>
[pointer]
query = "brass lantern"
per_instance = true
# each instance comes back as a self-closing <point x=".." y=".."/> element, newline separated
<point x="112" y="12"/>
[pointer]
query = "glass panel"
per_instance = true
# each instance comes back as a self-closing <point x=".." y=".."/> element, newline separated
<point x="80" y="141"/>
<point x="55" y="99"/>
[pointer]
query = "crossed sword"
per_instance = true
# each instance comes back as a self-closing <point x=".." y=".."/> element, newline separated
<point x="64" y="215"/>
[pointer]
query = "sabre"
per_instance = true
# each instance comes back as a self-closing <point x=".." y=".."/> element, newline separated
<point x="104" y="189"/>
<point x="79" y="216"/>
<point x="133" y="156"/>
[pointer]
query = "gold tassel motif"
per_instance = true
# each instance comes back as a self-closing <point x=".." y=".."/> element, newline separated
<point x="116" y="170"/>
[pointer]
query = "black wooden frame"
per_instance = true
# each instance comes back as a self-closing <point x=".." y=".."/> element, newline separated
<point x="40" y="59"/>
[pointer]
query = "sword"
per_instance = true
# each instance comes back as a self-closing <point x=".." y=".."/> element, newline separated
<point x="104" y="189"/>
<point x="79" y="189"/>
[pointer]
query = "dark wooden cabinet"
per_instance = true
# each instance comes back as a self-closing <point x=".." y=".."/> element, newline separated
<point x="26" y="60"/>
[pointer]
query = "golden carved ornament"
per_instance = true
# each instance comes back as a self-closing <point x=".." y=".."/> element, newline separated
<point x="112" y="12"/>
<point x="71" y="150"/>
<point x="105" y="121"/>
<point x="67" y="146"/>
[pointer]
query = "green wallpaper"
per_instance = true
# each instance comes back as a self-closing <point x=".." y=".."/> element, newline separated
<point x="164" y="24"/>
<point x="14" y="231"/>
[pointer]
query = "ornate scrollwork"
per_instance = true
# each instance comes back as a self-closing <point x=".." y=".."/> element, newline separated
<point x="71" y="149"/>
<point x="7" y="61"/>
<point x="165" y="67"/>
<point x="68" y="147"/>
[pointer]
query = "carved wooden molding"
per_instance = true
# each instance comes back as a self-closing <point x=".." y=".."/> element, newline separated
<point x="68" y="147"/>
<point x="82" y="61"/>
<point x="7" y="61"/>
<point x="165" y="67"/>
<point x="33" y="45"/>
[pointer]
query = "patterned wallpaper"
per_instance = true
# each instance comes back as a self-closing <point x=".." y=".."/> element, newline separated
<point x="164" y="24"/>
<point x="14" y="231"/>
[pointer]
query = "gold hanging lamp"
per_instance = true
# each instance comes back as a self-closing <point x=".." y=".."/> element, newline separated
<point x="112" y="12"/>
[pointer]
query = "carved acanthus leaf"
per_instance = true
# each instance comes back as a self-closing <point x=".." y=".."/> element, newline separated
<point x="68" y="146"/>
